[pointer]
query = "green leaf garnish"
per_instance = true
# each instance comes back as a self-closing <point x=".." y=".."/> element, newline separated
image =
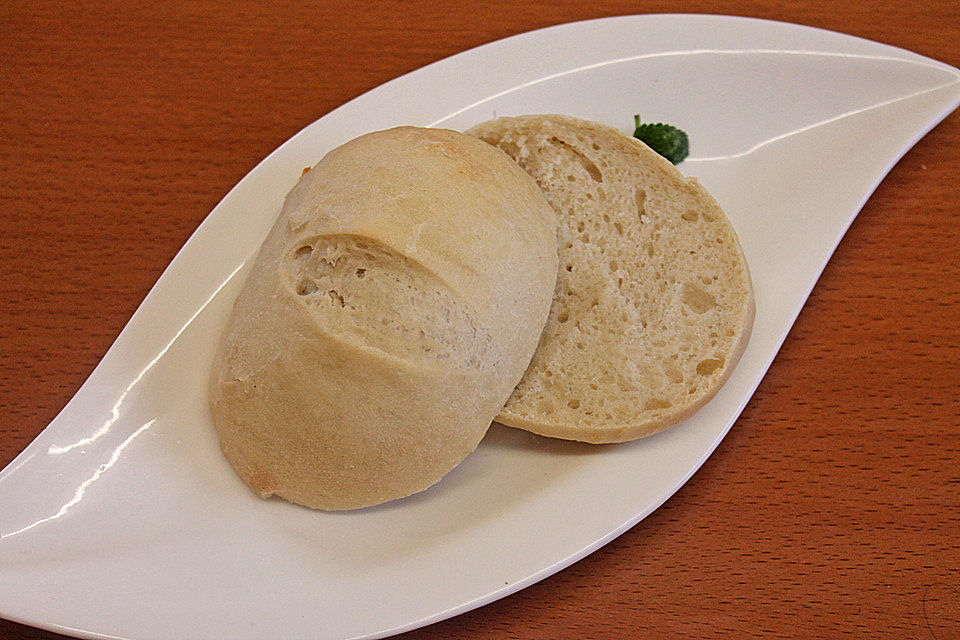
<point x="665" y="139"/>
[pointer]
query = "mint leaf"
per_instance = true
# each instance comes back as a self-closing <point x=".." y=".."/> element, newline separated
<point x="665" y="139"/>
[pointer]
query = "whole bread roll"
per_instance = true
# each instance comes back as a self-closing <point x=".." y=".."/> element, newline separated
<point x="653" y="306"/>
<point x="390" y="312"/>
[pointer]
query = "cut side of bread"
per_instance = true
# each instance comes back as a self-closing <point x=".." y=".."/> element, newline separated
<point x="653" y="305"/>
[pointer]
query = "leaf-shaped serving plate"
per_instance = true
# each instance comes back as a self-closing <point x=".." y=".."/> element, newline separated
<point x="122" y="519"/>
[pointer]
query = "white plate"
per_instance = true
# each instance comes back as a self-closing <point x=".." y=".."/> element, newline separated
<point x="122" y="519"/>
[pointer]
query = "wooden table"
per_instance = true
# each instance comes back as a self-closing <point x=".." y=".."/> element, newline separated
<point x="831" y="510"/>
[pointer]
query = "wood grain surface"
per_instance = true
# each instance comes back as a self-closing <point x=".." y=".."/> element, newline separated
<point x="831" y="510"/>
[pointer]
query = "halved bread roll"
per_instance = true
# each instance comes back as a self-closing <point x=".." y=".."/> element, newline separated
<point x="391" y="311"/>
<point x="653" y="305"/>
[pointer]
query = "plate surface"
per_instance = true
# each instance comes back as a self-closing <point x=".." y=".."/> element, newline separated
<point x="122" y="519"/>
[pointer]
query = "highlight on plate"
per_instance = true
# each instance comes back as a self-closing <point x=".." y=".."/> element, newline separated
<point x="549" y="273"/>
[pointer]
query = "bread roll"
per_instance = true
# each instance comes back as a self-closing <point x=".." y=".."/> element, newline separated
<point x="653" y="306"/>
<point x="392" y="309"/>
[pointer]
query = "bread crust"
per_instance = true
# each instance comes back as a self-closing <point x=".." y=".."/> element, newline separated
<point x="390" y="312"/>
<point x="654" y="304"/>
